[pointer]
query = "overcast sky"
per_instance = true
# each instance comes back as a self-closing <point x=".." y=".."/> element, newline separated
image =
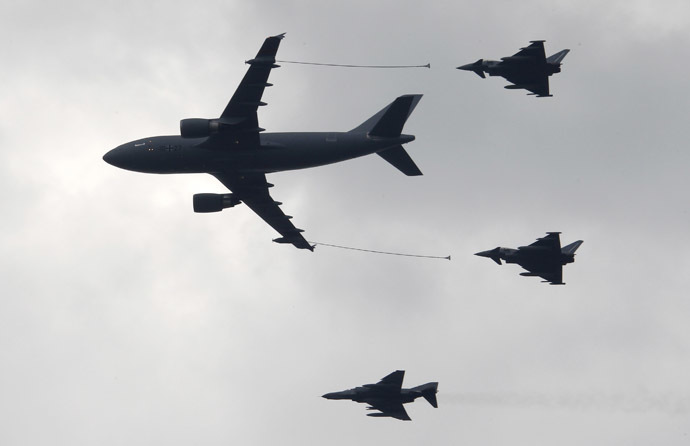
<point x="125" y="318"/>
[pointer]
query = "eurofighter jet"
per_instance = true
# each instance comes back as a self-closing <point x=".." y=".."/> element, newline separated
<point x="387" y="396"/>
<point x="233" y="149"/>
<point x="527" y="69"/>
<point x="544" y="258"/>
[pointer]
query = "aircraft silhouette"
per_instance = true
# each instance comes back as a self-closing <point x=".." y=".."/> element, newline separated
<point x="527" y="69"/>
<point x="387" y="396"/>
<point x="232" y="149"/>
<point x="544" y="258"/>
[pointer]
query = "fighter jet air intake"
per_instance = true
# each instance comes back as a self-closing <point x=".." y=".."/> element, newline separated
<point x="527" y="69"/>
<point x="233" y="149"/>
<point x="387" y="396"/>
<point x="544" y="258"/>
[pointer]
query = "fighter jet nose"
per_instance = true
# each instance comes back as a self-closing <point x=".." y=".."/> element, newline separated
<point x="337" y="395"/>
<point x="492" y="254"/>
<point x="477" y="67"/>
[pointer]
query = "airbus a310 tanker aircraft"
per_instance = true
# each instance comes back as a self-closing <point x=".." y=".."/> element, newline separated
<point x="233" y="149"/>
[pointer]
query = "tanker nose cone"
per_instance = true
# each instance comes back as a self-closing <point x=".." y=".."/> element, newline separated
<point x="120" y="157"/>
<point x="110" y="158"/>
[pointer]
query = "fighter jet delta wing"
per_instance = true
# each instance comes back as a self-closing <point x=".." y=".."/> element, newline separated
<point x="536" y="84"/>
<point x="549" y="271"/>
<point x="534" y="53"/>
<point x="552" y="273"/>
<point x="554" y="277"/>
<point x="528" y="69"/>
<point x="552" y="241"/>
<point x="252" y="189"/>
<point x="238" y="125"/>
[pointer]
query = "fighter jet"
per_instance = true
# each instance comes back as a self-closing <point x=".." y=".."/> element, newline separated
<point x="387" y="396"/>
<point x="544" y="258"/>
<point x="232" y="149"/>
<point x="527" y="69"/>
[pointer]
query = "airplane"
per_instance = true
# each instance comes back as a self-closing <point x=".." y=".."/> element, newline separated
<point x="527" y="69"/>
<point x="387" y="396"/>
<point x="544" y="258"/>
<point x="232" y="149"/>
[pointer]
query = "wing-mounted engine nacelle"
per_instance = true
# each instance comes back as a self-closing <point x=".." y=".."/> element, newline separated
<point x="199" y="127"/>
<point x="205" y="203"/>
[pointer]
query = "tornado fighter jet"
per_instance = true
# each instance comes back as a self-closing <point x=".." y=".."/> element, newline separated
<point x="233" y="149"/>
<point x="387" y="396"/>
<point x="544" y="258"/>
<point x="527" y="69"/>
